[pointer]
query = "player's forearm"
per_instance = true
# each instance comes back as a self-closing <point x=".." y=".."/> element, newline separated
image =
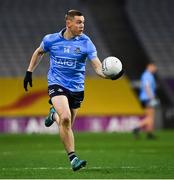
<point x="149" y="93"/>
<point x="99" y="72"/>
<point x="35" y="60"/>
<point x="97" y="66"/>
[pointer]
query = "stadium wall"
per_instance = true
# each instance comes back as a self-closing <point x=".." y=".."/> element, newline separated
<point x="108" y="106"/>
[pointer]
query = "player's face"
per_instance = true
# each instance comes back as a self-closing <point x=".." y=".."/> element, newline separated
<point x="153" y="68"/>
<point x="76" y="25"/>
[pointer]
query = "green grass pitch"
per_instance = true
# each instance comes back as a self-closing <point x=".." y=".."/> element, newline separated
<point x="109" y="155"/>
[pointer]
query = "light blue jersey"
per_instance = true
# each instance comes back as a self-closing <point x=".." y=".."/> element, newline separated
<point x="147" y="77"/>
<point x="68" y="59"/>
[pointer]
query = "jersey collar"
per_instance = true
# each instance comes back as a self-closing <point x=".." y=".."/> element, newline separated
<point x="62" y="32"/>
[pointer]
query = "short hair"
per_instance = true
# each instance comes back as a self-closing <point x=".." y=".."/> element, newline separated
<point x="71" y="13"/>
<point x="150" y="64"/>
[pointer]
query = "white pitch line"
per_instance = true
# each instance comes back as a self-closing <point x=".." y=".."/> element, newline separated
<point x="64" y="168"/>
<point x="6" y="153"/>
<point x="40" y="151"/>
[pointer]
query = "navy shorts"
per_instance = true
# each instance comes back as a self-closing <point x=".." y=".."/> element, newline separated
<point x="74" y="98"/>
<point x="145" y="103"/>
<point x="149" y="103"/>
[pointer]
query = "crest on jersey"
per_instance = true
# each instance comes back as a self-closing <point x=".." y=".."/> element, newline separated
<point x="77" y="50"/>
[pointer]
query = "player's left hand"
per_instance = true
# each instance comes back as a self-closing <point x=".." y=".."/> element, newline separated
<point x="118" y="75"/>
<point x="27" y="80"/>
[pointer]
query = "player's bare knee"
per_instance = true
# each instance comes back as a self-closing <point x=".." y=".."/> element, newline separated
<point x="66" y="120"/>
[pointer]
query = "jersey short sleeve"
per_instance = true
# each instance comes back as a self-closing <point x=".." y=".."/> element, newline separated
<point x="146" y="79"/>
<point x="91" y="50"/>
<point x="45" y="43"/>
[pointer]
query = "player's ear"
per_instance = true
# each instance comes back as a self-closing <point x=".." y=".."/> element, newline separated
<point x="68" y="23"/>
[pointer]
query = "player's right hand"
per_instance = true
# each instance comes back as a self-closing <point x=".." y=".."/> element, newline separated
<point x="27" y="80"/>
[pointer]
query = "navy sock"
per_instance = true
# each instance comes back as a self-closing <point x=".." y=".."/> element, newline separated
<point x="137" y="129"/>
<point x="71" y="155"/>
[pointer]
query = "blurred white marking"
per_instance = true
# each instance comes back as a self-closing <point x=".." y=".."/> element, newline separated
<point x="66" y="168"/>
